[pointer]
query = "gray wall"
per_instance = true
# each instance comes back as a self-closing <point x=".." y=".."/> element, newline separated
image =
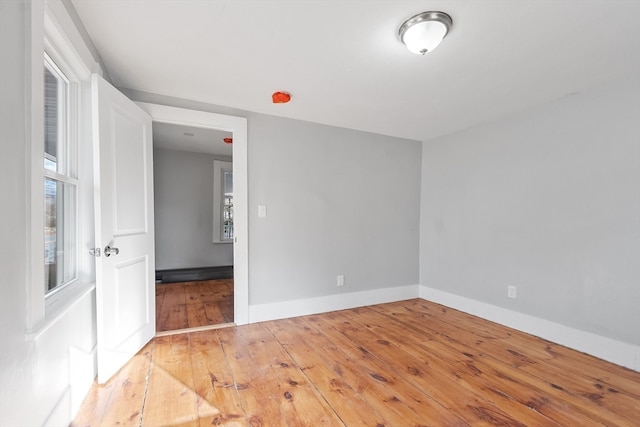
<point x="547" y="200"/>
<point x="183" y="190"/>
<point x="338" y="202"/>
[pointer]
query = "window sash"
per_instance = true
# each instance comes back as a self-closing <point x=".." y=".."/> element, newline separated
<point x="227" y="205"/>
<point x="222" y="202"/>
<point x="61" y="185"/>
<point x="60" y="234"/>
<point x="60" y="162"/>
<point x="227" y="217"/>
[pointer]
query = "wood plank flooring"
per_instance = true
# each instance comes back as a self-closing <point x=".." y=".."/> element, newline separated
<point x="410" y="363"/>
<point x="193" y="304"/>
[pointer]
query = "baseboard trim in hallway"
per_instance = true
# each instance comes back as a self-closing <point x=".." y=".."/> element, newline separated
<point x="193" y="274"/>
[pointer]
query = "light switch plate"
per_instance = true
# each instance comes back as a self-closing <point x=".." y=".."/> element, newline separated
<point x="262" y="211"/>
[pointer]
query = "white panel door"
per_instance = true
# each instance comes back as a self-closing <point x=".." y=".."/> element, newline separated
<point x="125" y="269"/>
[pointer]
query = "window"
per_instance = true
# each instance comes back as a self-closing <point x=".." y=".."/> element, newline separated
<point x="227" y="206"/>
<point x="60" y="197"/>
<point x="60" y="181"/>
<point x="222" y="202"/>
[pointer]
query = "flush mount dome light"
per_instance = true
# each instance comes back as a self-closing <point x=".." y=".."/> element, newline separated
<point x="423" y="32"/>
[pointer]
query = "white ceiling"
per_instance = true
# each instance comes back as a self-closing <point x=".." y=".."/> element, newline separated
<point x="187" y="138"/>
<point x="344" y="66"/>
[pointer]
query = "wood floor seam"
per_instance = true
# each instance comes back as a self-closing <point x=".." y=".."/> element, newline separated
<point x="144" y="397"/>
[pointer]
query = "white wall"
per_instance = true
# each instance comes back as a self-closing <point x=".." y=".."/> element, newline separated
<point x="547" y="200"/>
<point x="183" y="191"/>
<point x="44" y="374"/>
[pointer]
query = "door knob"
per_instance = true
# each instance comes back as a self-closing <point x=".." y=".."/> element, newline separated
<point x="108" y="251"/>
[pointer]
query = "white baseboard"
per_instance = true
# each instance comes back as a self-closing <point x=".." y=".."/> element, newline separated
<point x="303" y="307"/>
<point x="613" y="351"/>
<point x="82" y="372"/>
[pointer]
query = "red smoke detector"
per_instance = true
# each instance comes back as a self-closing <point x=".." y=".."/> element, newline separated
<point x="228" y="140"/>
<point x="280" y="97"/>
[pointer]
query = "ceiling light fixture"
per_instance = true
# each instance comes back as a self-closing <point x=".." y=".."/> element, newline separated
<point x="423" y="32"/>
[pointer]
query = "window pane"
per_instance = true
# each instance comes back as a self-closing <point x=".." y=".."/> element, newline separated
<point x="55" y="89"/>
<point x="227" y="206"/>
<point x="228" y="182"/>
<point x="59" y="233"/>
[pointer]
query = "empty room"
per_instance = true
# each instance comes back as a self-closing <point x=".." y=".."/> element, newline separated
<point x="320" y="213"/>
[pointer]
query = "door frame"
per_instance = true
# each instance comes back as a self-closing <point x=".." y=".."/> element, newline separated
<point x="238" y="127"/>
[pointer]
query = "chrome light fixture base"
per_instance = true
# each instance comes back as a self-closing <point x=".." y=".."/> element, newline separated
<point x="424" y="19"/>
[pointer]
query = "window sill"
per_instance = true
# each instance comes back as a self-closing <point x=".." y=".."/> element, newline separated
<point x="223" y="241"/>
<point x="72" y="295"/>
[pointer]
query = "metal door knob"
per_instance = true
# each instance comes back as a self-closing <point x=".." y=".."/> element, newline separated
<point x="108" y="251"/>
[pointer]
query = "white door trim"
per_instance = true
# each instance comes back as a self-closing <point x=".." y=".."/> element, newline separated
<point x="238" y="126"/>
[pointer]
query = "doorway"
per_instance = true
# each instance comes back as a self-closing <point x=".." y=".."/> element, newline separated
<point x="237" y="286"/>
<point x="193" y="188"/>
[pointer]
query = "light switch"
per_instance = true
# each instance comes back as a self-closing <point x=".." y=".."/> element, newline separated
<point x="262" y="211"/>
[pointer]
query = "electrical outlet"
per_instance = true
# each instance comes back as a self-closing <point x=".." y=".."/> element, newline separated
<point x="340" y="280"/>
<point x="511" y="292"/>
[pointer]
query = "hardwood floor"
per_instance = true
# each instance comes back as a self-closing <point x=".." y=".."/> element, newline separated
<point x="411" y="363"/>
<point x="193" y="304"/>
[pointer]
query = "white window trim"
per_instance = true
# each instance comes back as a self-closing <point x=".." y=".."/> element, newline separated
<point x="54" y="34"/>
<point x="219" y="168"/>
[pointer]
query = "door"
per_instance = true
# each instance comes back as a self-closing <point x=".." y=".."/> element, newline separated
<point x="125" y="268"/>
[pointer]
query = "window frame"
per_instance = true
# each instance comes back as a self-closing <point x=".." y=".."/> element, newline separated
<point x="54" y="34"/>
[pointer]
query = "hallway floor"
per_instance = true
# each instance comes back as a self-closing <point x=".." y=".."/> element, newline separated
<point x="193" y="304"/>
